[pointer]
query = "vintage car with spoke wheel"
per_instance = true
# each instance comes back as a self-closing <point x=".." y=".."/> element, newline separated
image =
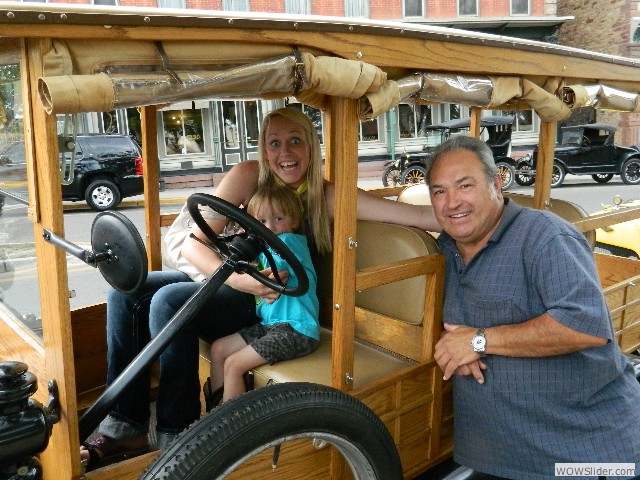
<point x="586" y="150"/>
<point x="410" y="167"/>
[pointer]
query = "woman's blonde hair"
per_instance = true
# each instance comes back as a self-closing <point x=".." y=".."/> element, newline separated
<point x="313" y="199"/>
<point x="275" y="198"/>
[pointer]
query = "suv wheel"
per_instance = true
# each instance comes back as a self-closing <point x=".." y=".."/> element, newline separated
<point x="630" y="173"/>
<point x="557" y="175"/>
<point x="102" y="195"/>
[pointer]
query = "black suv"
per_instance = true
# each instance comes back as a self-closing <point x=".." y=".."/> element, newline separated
<point x="107" y="168"/>
<point x="586" y="150"/>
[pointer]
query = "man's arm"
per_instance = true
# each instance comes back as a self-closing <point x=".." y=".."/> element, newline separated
<point x="541" y="336"/>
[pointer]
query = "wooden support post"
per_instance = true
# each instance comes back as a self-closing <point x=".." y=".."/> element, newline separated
<point x="544" y="165"/>
<point x="61" y="460"/>
<point x="475" y="119"/>
<point x="151" y="167"/>
<point x="343" y="161"/>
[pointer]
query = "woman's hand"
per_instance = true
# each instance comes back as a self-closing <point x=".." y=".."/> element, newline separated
<point x="247" y="284"/>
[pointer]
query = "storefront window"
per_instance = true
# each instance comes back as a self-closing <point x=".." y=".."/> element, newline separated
<point x="252" y="123"/>
<point x="413" y="120"/>
<point x="369" y="131"/>
<point x="524" y="120"/>
<point x="183" y="131"/>
<point x="314" y="115"/>
<point x="230" y="120"/>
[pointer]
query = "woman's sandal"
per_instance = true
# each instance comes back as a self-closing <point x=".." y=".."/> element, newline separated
<point x="212" y="398"/>
<point x="104" y="451"/>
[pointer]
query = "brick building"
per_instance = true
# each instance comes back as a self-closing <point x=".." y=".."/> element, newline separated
<point x="606" y="26"/>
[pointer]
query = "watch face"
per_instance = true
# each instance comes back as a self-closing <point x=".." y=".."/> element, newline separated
<point x="478" y="342"/>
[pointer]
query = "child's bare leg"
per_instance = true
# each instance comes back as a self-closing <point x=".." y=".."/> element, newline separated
<point x="220" y="350"/>
<point x="235" y="366"/>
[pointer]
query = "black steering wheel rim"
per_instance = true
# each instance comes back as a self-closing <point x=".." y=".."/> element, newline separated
<point x="250" y="226"/>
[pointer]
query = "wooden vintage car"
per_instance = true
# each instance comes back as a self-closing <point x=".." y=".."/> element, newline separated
<point x="381" y="307"/>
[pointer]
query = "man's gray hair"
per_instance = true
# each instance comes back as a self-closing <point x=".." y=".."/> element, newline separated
<point x="475" y="145"/>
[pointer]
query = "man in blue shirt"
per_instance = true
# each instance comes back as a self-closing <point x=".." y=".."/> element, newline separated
<point x="538" y="377"/>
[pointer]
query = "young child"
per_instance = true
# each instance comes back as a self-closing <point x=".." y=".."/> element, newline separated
<point x="289" y="326"/>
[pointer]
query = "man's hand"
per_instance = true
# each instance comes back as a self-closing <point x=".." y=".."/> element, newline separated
<point x="455" y="355"/>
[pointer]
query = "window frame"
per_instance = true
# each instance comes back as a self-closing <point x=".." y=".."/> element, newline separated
<point x="511" y="9"/>
<point x="421" y="4"/>
<point x="357" y="9"/>
<point x="297" y="7"/>
<point x="477" y="8"/>
<point x="231" y="5"/>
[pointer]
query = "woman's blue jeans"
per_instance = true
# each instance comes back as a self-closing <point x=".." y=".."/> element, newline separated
<point x="133" y="319"/>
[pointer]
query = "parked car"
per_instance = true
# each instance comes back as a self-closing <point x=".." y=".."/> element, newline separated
<point x="410" y="167"/>
<point x="586" y="150"/>
<point x="107" y="168"/>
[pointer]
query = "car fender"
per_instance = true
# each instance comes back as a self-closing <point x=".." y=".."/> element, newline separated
<point x="508" y="160"/>
<point x="623" y="235"/>
<point x="624" y="158"/>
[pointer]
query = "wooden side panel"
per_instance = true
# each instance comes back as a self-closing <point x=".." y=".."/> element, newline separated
<point x="612" y="269"/>
<point x="623" y="300"/>
<point x="90" y="346"/>
<point x="412" y="407"/>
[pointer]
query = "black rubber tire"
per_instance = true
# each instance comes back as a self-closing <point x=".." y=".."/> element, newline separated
<point x="413" y="175"/>
<point x="102" y="195"/>
<point x="508" y="174"/>
<point x="602" y="177"/>
<point x="525" y="179"/>
<point x="263" y="418"/>
<point x="557" y="175"/>
<point x="391" y="176"/>
<point x="630" y="173"/>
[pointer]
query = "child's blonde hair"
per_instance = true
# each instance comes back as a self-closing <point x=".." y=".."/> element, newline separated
<point x="275" y="196"/>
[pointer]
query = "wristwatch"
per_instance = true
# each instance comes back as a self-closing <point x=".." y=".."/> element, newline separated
<point x="479" y="342"/>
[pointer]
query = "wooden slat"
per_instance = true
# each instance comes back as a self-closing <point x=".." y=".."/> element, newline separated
<point x="606" y="219"/>
<point x="383" y="274"/>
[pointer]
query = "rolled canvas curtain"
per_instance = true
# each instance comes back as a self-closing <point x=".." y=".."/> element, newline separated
<point x="153" y="74"/>
<point x="601" y="97"/>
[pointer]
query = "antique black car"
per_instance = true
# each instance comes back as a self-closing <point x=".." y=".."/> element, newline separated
<point x="586" y="150"/>
<point x="410" y="167"/>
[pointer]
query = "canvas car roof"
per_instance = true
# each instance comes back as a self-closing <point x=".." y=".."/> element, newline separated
<point x="594" y="126"/>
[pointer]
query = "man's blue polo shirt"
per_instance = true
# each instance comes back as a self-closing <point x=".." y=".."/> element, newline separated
<point x="533" y="412"/>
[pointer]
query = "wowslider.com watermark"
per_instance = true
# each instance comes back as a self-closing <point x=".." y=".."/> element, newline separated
<point x="595" y="469"/>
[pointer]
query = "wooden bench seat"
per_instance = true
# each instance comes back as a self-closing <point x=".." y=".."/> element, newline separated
<point x="402" y="301"/>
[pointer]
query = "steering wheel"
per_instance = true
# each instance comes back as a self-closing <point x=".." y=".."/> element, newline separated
<point x="256" y="234"/>
<point x="585" y="141"/>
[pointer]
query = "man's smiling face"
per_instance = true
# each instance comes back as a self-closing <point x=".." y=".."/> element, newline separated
<point x="465" y="203"/>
